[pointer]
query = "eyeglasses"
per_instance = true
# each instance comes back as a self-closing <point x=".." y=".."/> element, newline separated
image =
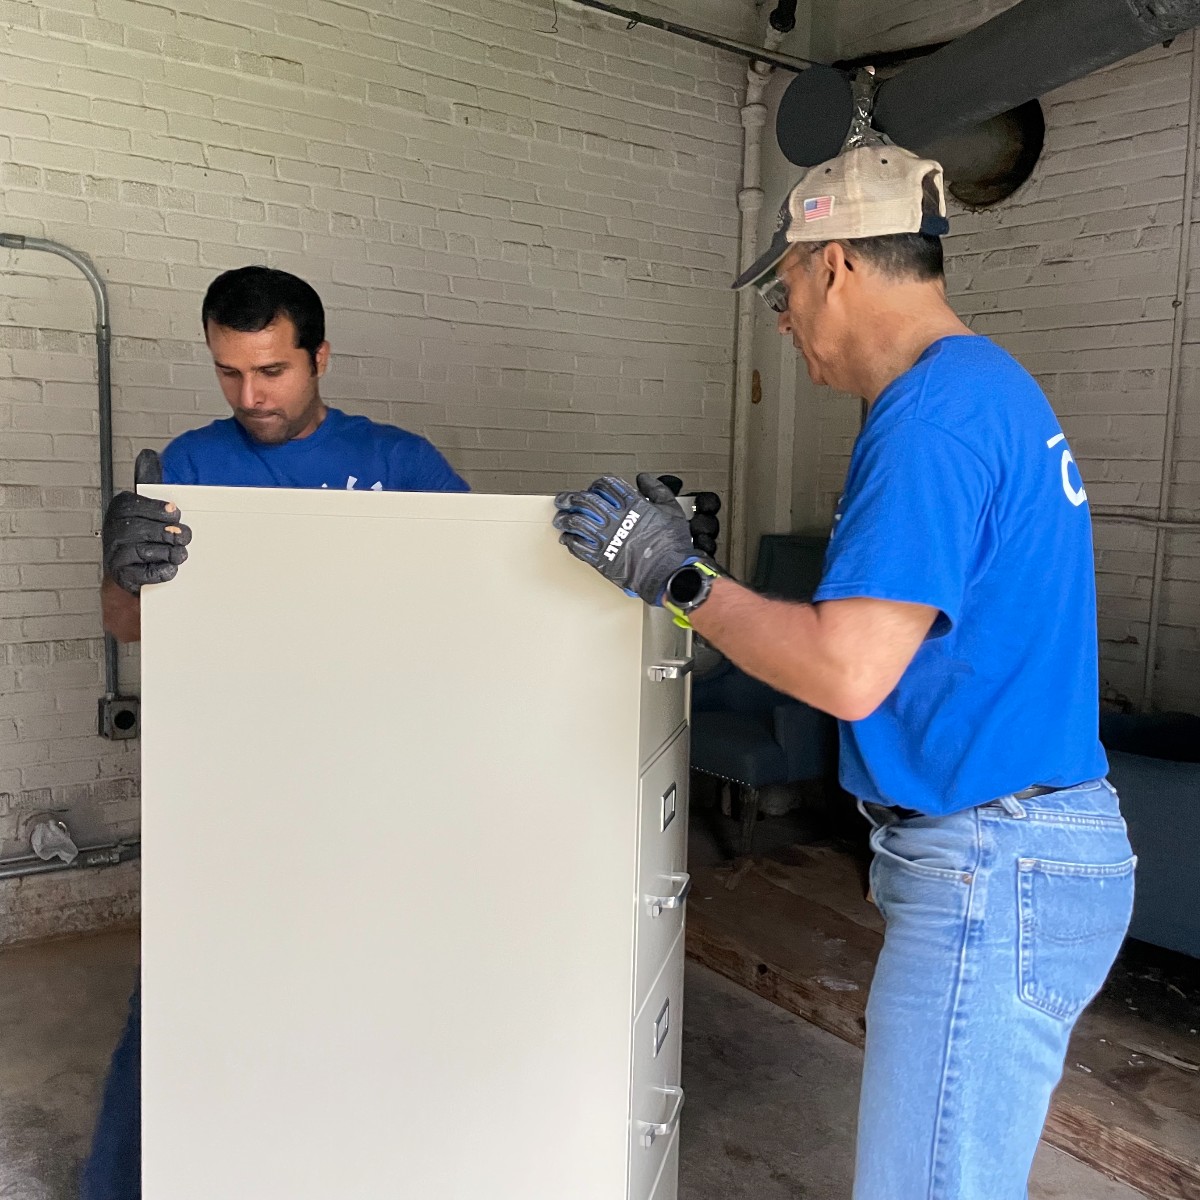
<point x="774" y="291"/>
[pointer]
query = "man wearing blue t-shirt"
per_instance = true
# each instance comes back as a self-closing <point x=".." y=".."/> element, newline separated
<point x="266" y="332"/>
<point x="954" y="636"/>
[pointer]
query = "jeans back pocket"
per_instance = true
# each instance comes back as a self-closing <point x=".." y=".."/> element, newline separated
<point x="1073" y="920"/>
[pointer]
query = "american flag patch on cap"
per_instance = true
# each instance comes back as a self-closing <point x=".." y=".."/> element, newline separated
<point x="818" y="207"/>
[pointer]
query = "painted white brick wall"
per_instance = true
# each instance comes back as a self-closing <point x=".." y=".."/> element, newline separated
<point x="521" y="218"/>
<point x="1075" y="274"/>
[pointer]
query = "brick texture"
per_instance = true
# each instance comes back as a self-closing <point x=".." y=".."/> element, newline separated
<point x="521" y="217"/>
<point x="1076" y="275"/>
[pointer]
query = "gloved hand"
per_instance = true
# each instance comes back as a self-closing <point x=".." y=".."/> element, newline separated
<point x="636" y="539"/>
<point x="144" y="540"/>
<point x="704" y="524"/>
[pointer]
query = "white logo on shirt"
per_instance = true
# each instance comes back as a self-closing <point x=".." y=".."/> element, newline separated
<point x="1076" y="495"/>
<point x="352" y="481"/>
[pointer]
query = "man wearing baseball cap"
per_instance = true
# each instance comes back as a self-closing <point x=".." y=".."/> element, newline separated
<point x="954" y="636"/>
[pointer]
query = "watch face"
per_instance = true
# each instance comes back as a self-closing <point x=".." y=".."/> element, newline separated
<point x="686" y="587"/>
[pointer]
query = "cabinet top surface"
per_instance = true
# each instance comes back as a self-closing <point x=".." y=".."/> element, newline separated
<point x="431" y="506"/>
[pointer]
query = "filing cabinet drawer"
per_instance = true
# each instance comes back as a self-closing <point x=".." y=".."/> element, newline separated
<point x="662" y="879"/>
<point x="667" y="1187"/>
<point x="657" y="1096"/>
<point x="666" y="666"/>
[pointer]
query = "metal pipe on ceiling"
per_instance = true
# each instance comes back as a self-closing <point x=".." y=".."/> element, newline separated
<point x="789" y="62"/>
<point x="1019" y="55"/>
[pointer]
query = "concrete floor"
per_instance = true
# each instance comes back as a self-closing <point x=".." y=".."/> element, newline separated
<point x="770" y="1110"/>
<point x="62" y="1006"/>
<point x="771" y="1104"/>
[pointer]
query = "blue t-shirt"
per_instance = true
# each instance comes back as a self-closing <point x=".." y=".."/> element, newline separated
<point x="343" y="452"/>
<point x="962" y="494"/>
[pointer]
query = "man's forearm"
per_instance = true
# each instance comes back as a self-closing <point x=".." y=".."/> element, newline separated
<point x="773" y="640"/>
<point x="121" y="612"/>
<point x="841" y="656"/>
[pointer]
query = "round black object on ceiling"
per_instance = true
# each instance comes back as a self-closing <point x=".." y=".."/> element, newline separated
<point x="814" y="116"/>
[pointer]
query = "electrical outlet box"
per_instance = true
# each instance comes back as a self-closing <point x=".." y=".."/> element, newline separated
<point x="119" y="718"/>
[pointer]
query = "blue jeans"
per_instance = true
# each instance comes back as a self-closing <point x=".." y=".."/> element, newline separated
<point x="1002" y="924"/>
<point x="113" y="1170"/>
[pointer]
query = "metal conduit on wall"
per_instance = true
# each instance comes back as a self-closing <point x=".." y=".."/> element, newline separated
<point x="118" y="716"/>
<point x="111" y="855"/>
<point x="115" y="853"/>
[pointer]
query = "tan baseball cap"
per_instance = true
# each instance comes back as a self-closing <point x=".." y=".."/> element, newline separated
<point x="870" y="191"/>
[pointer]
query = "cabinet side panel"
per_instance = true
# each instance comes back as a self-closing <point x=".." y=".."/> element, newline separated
<point x="390" y="792"/>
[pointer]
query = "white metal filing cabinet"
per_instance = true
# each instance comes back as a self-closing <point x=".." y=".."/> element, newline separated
<point x="415" y="811"/>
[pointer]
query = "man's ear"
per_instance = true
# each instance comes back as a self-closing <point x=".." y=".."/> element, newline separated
<point x="322" y="357"/>
<point x="836" y="266"/>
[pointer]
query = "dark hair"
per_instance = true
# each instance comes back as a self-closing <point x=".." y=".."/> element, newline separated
<point x="900" y="255"/>
<point x="250" y="298"/>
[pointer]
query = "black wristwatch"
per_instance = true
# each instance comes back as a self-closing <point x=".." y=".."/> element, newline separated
<point x="687" y="589"/>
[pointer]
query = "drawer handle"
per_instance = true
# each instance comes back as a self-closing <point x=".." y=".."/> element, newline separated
<point x="671" y="668"/>
<point x="656" y="904"/>
<point x="652" y="1131"/>
<point x="668" y="806"/>
<point x="662" y="1026"/>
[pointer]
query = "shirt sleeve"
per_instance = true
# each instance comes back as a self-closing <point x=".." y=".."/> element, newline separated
<point x="419" y="466"/>
<point x="911" y="522"/>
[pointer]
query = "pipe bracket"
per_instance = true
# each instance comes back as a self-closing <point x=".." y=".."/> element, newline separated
<point x="750" y="199"/>
<point x="862" y="89"/>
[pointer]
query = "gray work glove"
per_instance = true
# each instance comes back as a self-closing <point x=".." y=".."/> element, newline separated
<point x="144" y="540"/>
<point x="636" y="538"/>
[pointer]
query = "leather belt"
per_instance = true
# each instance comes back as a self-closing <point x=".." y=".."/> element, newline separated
<point x="1029" y="793"/>
<point x="1039" y="789"/>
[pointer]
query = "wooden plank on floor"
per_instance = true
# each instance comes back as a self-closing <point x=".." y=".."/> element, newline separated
<point x="1129" y="1102"/>
<point x="789" y="950"/>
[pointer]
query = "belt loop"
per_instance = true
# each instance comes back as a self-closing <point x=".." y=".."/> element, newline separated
<point x="1013" y="807"/>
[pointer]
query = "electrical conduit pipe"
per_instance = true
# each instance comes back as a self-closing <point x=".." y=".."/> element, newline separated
<point x="17" y="241"/>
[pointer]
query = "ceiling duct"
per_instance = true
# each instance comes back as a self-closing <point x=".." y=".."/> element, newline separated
<point x="1025" y="52"/>
<point x="942" y="98"/>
